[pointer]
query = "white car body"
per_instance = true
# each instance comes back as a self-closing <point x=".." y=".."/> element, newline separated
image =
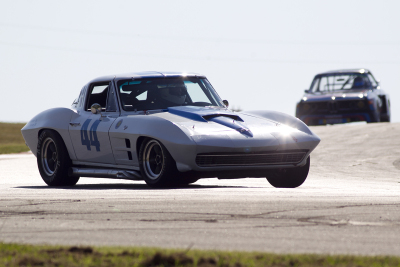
<point x="197" y="137"/>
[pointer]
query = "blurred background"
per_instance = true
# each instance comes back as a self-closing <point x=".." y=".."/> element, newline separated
<point x="257" y="54"/>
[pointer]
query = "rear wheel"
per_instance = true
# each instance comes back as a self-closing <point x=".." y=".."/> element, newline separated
<point x="53" y="160"/>
<point x="157" y="166"/>
<point x="289" y="178"/>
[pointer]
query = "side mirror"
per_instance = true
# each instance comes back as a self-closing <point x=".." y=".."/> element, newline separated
<point x="306" y="91"/>
<point x="96" y="108"/>
<point x="225" y="102"/>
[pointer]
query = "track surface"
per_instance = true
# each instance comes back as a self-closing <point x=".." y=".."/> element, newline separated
<point x="350" y="204"/>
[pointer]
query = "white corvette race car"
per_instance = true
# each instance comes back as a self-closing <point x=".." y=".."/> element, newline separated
<point x="168" y="129"/>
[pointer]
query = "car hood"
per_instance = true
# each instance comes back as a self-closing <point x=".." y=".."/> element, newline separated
<point x="209" y="120"/>
<point x="219" y="127"/>
<point x="338" y="94"/>
<point x="219" y="119"/>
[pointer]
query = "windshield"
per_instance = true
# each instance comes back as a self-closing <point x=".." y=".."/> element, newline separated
<point x="161" y="93"/>
<point x="340" y="81"/>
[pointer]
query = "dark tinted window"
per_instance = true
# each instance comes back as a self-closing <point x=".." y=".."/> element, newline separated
<point x="340" y="81"/>
<point x="161" y="93"/>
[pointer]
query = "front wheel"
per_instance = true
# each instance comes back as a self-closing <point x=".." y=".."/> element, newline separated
<point x="53" y="160"/>
<point x="385" y="117"/>
<point x="157" y="166"/>
<point x="185" y="179"/>
<point x="289" y="178"/>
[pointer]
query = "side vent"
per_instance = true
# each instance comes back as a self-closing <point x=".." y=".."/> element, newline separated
<point x="128" y="143"/>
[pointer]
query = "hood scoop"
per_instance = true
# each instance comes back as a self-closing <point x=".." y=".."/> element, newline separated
<point x="231" y="116"/>
<point x="233" y="123"/>
<point x="203" y="114"/>
<point x="214" y="114"/>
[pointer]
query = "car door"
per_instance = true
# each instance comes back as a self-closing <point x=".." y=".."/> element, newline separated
<point x="90" y="132"/>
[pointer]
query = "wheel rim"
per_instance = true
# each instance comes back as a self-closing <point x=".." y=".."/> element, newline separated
<point x="49" y="156"/>
<point x="153" y="159"/>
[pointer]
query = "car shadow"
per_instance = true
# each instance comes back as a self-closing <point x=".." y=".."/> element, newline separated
<point x="126" y="187"/>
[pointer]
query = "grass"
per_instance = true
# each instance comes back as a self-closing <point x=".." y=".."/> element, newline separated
<point x="11" y="140"/>
<point x="30" y="255"/>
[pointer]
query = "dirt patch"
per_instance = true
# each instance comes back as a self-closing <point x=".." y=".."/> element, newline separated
<point x="72" y="250"/>
<point x="83" y="250"/>
<point x="160" y="259"/>
<point x="181" y="259"/>
<point x="207" y="262"/>
<point x="30" y="261"/>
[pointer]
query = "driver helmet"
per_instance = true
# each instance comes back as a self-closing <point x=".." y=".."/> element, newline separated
<point x="358" y="82"/>
<point x="174" y="93"/>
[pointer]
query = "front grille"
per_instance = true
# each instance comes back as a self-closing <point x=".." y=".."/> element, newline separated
<point x="242" y="159"/>
<point x="327" y="107"/>
<point x="320" y="106"/>
<point x="355" y="105"/>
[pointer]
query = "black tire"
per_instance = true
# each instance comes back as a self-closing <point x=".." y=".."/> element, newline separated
<point x="289" y="178"/>
<point x="53" y="160"/>
<point x="375" y="117"/>
<point x="184" y="180"/>
<point x="157" y="166"/>
<point x="385" y="118"/>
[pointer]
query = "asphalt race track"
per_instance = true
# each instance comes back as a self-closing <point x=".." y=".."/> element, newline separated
<point x="350" y="204"/>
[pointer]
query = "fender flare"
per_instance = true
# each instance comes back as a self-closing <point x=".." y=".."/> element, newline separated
<point x="56" y="119"/>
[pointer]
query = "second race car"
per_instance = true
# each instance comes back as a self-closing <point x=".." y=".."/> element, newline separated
<point x="344" y="96"/>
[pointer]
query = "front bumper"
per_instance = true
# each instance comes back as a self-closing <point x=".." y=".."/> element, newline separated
<point x="337" y="111"/>
<point x="323" y="119"/>
<point x="233" y="152"/>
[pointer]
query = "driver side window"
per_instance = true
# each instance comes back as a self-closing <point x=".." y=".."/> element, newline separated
<point x="98" y="94"/>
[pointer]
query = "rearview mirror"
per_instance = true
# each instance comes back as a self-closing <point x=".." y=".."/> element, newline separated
<point x="96" y="108"/>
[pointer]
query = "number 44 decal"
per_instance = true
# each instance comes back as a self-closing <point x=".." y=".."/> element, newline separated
<point x="89" y="138"/>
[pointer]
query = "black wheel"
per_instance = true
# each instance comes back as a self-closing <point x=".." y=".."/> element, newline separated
<point x="157" y="166"/>
<point x="289" y="178"/>
<point x="53" y="160"/>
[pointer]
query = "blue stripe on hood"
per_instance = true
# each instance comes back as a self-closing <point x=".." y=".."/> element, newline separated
<point x="215" y="114"/>
<point x="198" y="113"/>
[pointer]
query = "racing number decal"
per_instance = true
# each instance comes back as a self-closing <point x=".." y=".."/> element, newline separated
<point x="89" y="139"/>
<point x="84" y="136"/>
<point x="93" y="135"/>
